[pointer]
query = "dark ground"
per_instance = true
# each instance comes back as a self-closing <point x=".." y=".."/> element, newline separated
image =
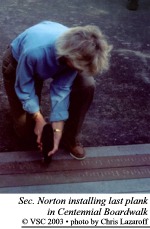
<point x="120" y="112"/>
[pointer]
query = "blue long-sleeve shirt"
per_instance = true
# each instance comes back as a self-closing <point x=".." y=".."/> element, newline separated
<point x="35" y="52"/>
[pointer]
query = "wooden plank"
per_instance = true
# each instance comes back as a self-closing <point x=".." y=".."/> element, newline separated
<point x="63" y="165"/>
<point x="74" y="176"/>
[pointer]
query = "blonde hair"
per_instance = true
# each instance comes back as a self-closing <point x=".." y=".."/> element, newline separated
<point x="86" y="48"/>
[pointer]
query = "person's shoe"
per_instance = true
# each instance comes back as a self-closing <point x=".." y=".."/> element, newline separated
<point x="132" y="4"/>
<point x="76" y="151"/>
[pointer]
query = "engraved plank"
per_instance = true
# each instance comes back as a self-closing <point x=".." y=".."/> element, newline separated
<point x="74" y="176"/>
<point x="60" y="165"/>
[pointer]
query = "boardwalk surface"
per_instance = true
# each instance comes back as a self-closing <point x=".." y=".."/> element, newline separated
<point x="115" y="169"/>
<point x="116" y="130"/>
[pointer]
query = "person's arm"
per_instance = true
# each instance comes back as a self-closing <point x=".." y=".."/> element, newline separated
<point x="59" y="95"/>
<point x="39" y="124"/>
<point x="25" y="90"/>
<point x="24" y="85"/>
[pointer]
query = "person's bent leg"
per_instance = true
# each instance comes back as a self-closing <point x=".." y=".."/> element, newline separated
<point x="23" y="122"/>
<point x="9" y="75"/>
<point x="80" y="100"/>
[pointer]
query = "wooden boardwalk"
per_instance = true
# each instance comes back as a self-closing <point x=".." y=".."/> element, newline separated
<point x="111" y="169"/>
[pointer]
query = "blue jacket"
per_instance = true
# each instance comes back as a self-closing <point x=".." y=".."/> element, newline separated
<point x="34" y="50"/>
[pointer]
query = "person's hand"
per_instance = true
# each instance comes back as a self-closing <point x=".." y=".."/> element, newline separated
<point x="57" y="137"/>
<point x="39" y="124"/>
<point x="58" y="130"/>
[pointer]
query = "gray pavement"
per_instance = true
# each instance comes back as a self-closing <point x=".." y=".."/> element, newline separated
<point x="120" y="111"/>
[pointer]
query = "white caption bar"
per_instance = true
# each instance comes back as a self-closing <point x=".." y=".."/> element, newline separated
<point x="74" y="211"/>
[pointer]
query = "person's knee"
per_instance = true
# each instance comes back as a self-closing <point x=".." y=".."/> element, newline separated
<point x="86" y="81"/>
<point x="90" y="82"/>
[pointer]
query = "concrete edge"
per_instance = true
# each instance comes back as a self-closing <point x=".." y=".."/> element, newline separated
<point x="114" y="186"/>
<point x="103" y="151"/>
